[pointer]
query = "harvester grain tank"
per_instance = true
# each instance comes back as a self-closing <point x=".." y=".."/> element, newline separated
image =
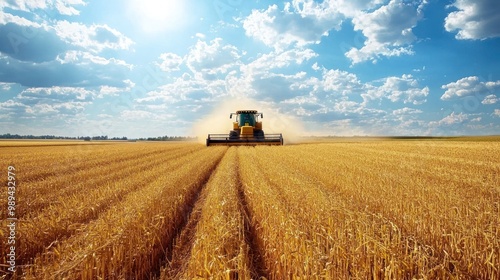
<point x="247" y="130"/>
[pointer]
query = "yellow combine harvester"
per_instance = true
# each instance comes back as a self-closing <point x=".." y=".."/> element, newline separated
<point x="247" y="130"/>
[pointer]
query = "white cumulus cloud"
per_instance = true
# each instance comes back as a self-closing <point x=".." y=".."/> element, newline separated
<point x="94" y="38"/>
<point x="341" y="82"/>
<point x="388" y="30"/>
<point x="490" y="99"/>
<point x="63" y="7"/>
<point x="300" y="22"/>
<point x="475" y="19"/>
<point x="212" y="58"/>
<point x="353" y="8"/>
<point x="278" y="59"/>
<point x="406" y="111"/>
<point x="170" y="62"/>
<point x="469" y="86"/>
<point x="397" y="89"/>
<point x="387" y="27"/>
<point x="453" y="118"/>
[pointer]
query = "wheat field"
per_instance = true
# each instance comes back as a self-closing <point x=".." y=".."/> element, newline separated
<point x="325" y="209"/>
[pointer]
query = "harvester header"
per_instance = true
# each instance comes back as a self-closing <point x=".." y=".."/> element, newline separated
<point x="247" y="130"/>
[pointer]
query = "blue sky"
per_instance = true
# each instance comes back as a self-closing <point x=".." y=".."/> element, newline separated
<point x="141" y="68"/>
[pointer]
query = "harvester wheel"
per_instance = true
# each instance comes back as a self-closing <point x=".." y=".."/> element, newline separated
<point x="259" y="134"/>
<point x="233" y="134"/>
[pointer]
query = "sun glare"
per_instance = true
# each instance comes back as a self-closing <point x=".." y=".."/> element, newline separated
<point x="158" y="15"/>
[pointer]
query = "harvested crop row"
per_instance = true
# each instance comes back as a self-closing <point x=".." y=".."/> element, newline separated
<point x="37" y="162"/>
<point x="45" y="143"/>
<point x="38" y="195"/>
<point x="438" y="162"/>
<point x="471" y="151"/>
<point x="54" y="162"/>
<point x="130" y="239"/>
<point x="41" y="163"/>
<point x="219" y="250"/>
<point x="66" y="214"/>
<point x="310" y="233"/>
<point x="275" y="227"/>
<point x="457" y="222"/>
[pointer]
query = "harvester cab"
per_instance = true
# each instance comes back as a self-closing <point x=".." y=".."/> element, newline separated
<point x="247" y="130"/>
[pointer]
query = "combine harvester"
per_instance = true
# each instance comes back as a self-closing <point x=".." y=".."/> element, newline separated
<point x="247" y="131"/>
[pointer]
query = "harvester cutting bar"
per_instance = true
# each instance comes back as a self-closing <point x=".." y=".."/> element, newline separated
<point x="224" y="139"/>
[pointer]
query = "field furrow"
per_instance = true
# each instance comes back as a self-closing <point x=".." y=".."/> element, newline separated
<point x="70" y="161"/>
<point x="448" y="227"/>
<point x="47" y="192"/>
<point x="222" y="244"/>
<point x="130" y="240"/>
<point x="338" y="242"/>
<point x="179" y="250"/>
<point x="66" y="214"/>
<point x="216" y="245"/>
<point x="40" y="161"/>
<point x="254" y="256"/>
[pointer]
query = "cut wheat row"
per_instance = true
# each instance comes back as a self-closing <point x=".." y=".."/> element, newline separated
<point x="130" y="239"/>
<point x="310" y="233"/>
<point x="38" y="195"/>
<point x="44" y="186"/>
<point x="457" y="222"/>
<point x="454" y="209"/>
<point x="17" y="143"/>
<point x="66" y="214"/>
<point x="60" y="213"/>
<point x="36" y="162"/>
<point x="39" y="163"/>
<point x="219" y="248"/>
<point x="474" y="152"/>
<point x="472" y="160"/>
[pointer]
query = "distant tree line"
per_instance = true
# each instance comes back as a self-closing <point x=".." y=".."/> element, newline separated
<point x="104" y="137"/>
<point x="98" y="138"/>
<point x="17" y="136"/>
<point x="168" y="138"/>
